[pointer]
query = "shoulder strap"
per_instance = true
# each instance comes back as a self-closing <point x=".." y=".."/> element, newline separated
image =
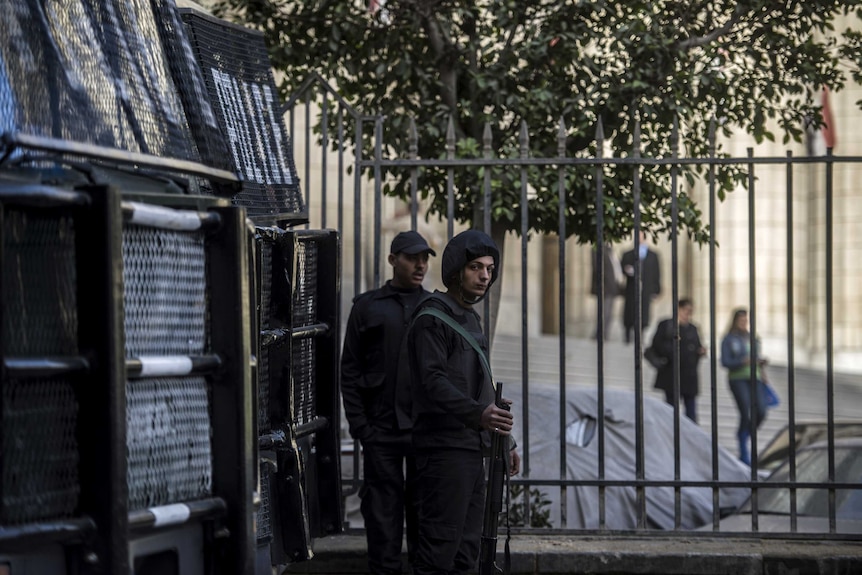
<point x="447" y="319"/>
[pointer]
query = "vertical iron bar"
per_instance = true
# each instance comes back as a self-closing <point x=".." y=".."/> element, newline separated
<point x="413" y="153"/>
<point x="713" y="335"/>
<point x="324" y="144"/>
<point x="340" y="133"/>
<point x="674" y="253"/>
<point x="308" y="157"/>
<point x="487" y="153"/>
<point x="639" y="384"/>
<point x="357" y="258"/>
<point x="600" y="346"/>
<point x="378" y="194"/>
<point x="561" y="265"/>
<point x="754" y="352"/>
<point x="791" y="370"/>
<point x="357" y="211"/>
<point x="450" y="180"/>
<point x="524" y="145"/>
<point x="830" y="344"/>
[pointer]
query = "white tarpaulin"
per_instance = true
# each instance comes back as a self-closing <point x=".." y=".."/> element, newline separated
<point x="581" y="461"/>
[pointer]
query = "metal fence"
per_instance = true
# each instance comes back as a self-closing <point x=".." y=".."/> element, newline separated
<point x="603" y="491"/>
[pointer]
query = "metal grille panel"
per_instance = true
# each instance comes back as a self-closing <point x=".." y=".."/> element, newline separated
<point x="40" y="318"/>
<point x="264" y="518"/>
<point x="39" y="282"/>
<point x="238" y="76"/>
<point x="40" y="451"/>
<point x="165" y="292"/>
<point x="265" y="284"/>
<point x="304" y="381"/>
<point x="305" y="295"/>
<point x="94" y="71"/>
<point x="265" y="301"/>
<point x="168" y="441"/>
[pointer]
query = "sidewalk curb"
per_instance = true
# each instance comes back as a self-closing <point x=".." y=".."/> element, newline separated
<point x="623" y="554"/>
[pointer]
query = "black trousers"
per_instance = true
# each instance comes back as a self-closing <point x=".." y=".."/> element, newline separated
<point x="450" y="489"/>
<point x="388" y="497"/>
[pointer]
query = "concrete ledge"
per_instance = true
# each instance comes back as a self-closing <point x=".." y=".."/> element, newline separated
<point x="566" y="554"/>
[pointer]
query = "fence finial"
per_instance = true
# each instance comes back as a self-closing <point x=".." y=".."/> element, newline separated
<point x="524" y="139"/>
<point x="636" y="139"/>
<point x="486" y="138"/>
<point x="600" y="131"/>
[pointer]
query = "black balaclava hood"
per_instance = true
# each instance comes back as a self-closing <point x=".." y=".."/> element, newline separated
<point x="464" y="248"/>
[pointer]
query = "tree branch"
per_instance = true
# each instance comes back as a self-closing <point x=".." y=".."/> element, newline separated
<point x="697" y="41"/>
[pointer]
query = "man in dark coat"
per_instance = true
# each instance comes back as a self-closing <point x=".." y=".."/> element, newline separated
<point x="690" y="352"/>
<point x="375" y="389"/>
<point x="650" y="275"/>
<point x="454" y="410"/>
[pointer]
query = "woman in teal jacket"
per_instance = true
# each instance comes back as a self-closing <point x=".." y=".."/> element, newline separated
<point x="737" y="357"/>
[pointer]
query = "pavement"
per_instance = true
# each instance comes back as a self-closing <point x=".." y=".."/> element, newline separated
<point x="682" y="553"/>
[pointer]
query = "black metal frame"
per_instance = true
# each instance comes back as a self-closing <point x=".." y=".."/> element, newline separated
<point x="306" y="491"/>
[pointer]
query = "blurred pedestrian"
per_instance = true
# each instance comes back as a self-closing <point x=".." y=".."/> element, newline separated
<point x="690" y="352"/>
<point x="738" y="357"/>
<point x="454" y="410"/>
<point x="375" y="388"/>
<point x="650" y="275"/>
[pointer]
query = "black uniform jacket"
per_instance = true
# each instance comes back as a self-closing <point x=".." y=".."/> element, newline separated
<point x="374" y="377"/>
<point x="450" y="387"/>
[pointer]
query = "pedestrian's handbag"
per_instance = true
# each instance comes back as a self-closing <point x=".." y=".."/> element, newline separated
<point x="654" y="358"/>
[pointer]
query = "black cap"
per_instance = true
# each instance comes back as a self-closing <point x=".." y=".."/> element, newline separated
<point x="410" y="243"/>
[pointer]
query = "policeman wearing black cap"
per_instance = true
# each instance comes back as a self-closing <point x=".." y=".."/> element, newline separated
<point x="375" y="389"/>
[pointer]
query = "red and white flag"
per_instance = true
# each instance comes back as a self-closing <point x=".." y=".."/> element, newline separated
<point x="828" y="129"/>
<point x="825" y="137"/>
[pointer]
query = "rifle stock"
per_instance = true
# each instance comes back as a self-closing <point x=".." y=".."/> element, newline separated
<point x="497" y="470"/>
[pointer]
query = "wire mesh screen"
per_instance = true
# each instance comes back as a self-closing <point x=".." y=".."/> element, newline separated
<point x="168" y="441"/>
<point x="168" y="419"/>
<point x="265" y="304"/>
<point x="305" y="295"/>
<point x="165" y="292"/>
<point x="304" y="308"/>
<point x="237" y="72"/>
<point x="265" y="245"/>
<point x="40" y="452"/>
<point x="264" y="513"/>
<point x="40" y="315"/>
<point x="96" y="71"/>
<point x="39" y="416"/>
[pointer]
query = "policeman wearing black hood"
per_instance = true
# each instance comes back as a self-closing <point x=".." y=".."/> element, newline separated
<point x="453" y="410"/>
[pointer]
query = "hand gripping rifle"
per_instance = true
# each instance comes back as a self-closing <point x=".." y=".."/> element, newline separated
<point x="498" y="472"/>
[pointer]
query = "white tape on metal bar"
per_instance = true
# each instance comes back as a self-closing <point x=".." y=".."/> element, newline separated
<point x="170" y="514"/>
<point x="161" y="217"/>
<point x="154" y="366"/>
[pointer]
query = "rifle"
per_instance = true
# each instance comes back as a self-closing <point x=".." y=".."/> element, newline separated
<point x="498" y="471"/>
